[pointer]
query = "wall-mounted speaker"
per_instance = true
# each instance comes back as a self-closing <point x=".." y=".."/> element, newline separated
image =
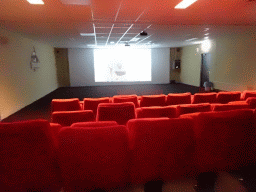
<point x="176" y="64"/>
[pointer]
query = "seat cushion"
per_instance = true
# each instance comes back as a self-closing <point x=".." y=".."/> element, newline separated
<point x="204" y="98"/>
<point x="225" y="140"/>
<point x="225" y="97"/>
<point x="126" y="98"/>
<point x="94" y="124"/>
<point x="119" y="112"/>
<point x="65" y="104"/>
<point x="245" y="94"/>
<point x="178" y="98"/>
<point x="229" y="106"/>
<point x="28" y="157"/>
<point x="161" y="148"/>
<point x="153" y="100"/>
<point x="193" y="108"/>
<point x="67" y="118"/>
<point x="92" y="103"/>
<point x="94" y="157"/>
<point x="157" y="111"/>
<point x="251" y="101"/>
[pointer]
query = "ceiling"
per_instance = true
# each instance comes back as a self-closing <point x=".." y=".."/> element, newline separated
<point x="118" y="22"/>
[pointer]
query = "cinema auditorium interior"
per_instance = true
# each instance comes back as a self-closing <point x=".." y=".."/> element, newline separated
<point x="127" y="95"/>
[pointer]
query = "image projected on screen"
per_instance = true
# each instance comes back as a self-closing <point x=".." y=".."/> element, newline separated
<point x="122" y="65"/>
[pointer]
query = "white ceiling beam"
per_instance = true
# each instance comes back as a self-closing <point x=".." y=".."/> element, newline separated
<point x="110" y="33"/>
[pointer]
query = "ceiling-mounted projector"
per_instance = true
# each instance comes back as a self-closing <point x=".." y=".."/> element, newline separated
<point x="143" y="33"/>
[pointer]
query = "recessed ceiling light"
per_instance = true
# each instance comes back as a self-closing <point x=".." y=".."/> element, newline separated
<point x="206" y="34"/>
<point x="184" y="4"/>
<point x="87" y="34"/>
<point x="206" y="29"/>
<point x="112" y="42"/>
<point x="206" y="37"/>
<point x="192" y="39"/>
<point x="36" y="2"/>
<point x="134" y="39"/>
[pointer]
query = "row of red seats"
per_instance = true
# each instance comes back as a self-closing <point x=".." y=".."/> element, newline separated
<point x="151" y="100"/>
<point x="93" y="155"/>
<point x="122" y="112"/>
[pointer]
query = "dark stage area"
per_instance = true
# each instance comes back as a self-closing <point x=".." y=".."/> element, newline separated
<point x="41" y="108"/>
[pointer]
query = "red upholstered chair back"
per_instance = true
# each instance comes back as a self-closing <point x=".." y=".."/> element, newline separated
<point x="178" y="98"/>
<point x="204" y="98"/>
<point x="153" y="100"/>
<point x="225" y="97"/>
<point x="28" y="157"/>
<point x="228" y="107"/>
<point x="225" y="140"/>
<point x="94" y="124"/>
<point x="245" y="94"/>
<point x="65" y="105"/>
<point x="166" y="111"/>
<point x="92" y="103"/>
<point x="94" y="157"/>
<point x="67" y="118"/>
<point x="251" y="101"/>
<point x="193" y="108"/>
<point x="161" y="148"/>
<point x="126" y="98"/>
<point x="119" y="112"/>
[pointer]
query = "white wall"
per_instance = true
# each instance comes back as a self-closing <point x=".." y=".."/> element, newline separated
<point x="235" y="61"/>
<point x="81" y="68"/>
<point x="20" y="85"/>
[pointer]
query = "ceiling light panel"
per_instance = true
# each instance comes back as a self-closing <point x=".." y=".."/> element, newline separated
<point x="36" y="2"/>
<point x="184" y="4"/>
<point x="87" y="34"/>
<point x="76" y="2"/>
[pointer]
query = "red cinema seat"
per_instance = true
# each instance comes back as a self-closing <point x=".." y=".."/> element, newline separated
<point x="119" y="112"/>
<point x="67" y="118"/>
<point x="28" y="157"/>
<point x="94" y="124"/>
<point x="204" y="98"/>
<point x="251" y="101"/>
<point x="166" y="111"/>
<point x="153" y="100"/>
<point x="225" y="97"/>
<point x="245" y="94"/>
<point x="94" y="157"/>
<point x="193" y="108"/>
<point x="55" y="128"/>
<point x="229" y="106"/>
<point x="126" y="98"/>
<point x="92" y="103"/>
<point x="161" y="148"/>
<point x="65" y="105"/>
<point x="225" y="140"/>
<point x="178" y="98"/>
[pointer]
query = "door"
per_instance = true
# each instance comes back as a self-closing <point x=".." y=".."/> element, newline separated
<point x="205" y="68"/>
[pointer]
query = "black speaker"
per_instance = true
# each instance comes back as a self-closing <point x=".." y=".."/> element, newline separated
<point x="176" y="64"/>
